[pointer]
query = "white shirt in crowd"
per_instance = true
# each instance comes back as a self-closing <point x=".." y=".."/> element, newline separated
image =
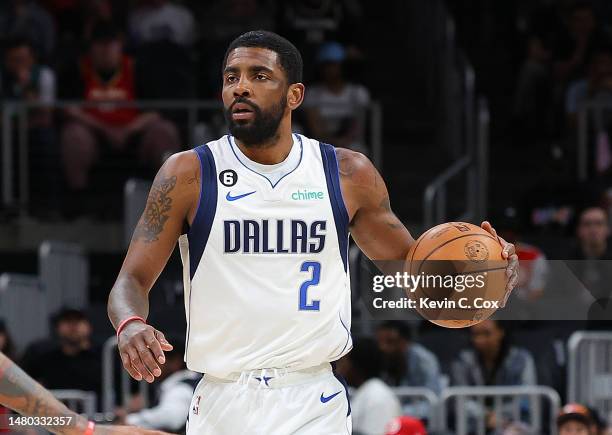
<point x="373" y="405"/>
<point x="335" y="108"/>
<point x="169" y="22"/>
<point x="173" y="408"/>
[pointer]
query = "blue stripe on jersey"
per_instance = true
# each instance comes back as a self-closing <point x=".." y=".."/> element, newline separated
<point x="332" y="177"/>
<point x="202" y="223"/>
<point x="344" y="384"/>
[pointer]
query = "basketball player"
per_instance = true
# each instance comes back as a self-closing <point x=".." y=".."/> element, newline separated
<point x="262" y="217"/>
<point x="22" y="394"/>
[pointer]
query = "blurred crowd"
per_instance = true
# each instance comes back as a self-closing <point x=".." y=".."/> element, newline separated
<point x="399" y="354"/>
<point x="111" y="53"/>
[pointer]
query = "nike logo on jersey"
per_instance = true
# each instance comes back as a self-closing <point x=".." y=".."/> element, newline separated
<point x="265" y="379"/>
<point x="328" y="398"/>
<point x="229" y="197"/>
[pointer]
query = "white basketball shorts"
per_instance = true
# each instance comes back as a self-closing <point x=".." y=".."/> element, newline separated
<point x="271" y="402"/>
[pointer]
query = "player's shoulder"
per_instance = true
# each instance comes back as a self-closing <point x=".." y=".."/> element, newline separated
<point x="184" y="161"/>
<point x="183" y="168"/>
<point x="355" y="167"/>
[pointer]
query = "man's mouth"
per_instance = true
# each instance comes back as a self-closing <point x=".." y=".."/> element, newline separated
<point x="242" y="111"/>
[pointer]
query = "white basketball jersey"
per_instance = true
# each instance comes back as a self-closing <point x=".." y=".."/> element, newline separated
<point x="265" y="264"/>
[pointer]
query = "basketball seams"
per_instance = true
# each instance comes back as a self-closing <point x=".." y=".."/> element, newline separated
<point x="420" y="239"/>
<point x="445" y="316"/>
<point x="463" y="273"/>
<point x="447" y="242"/>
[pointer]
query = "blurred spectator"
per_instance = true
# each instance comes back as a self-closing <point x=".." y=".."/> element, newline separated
<point x="592" y="232"/>
<point x="598" y="425"/>
<point x="23" y="78"/>
<point x="574" y="419"/>
<point x="533" y="98"/>
<point x="6" y="344"/>
<point x="405" y="363"/>
<point x="173" y="395"/>
<point x="25" y="18"/>
<point x="161" y="20"/>
<point x="405" y="426"/>
<point x="518" y="429"/>
<point x="107" y="75"/>
<point x="492" y="360"/>
<point x="373" y="404"/>
<point x="93" y="12"/>
<point x="592" y="235"/>
<point x="574" y="47"/>
<point x="596" y="86"/>
<point x="72" y="362"/>
<point x="408" y="364"/>
<point x="315" y="21"/>
<point x="336" y="109"/>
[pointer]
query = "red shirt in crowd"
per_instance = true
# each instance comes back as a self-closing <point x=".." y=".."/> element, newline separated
<point x="120" y="87"/>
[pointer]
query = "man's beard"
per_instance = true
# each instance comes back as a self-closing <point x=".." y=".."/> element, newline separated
<point x="263" y="126"/>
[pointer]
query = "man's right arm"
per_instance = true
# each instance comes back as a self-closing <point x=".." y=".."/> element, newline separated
<point x="171" y="203"/>
<point x="21" y="393"/>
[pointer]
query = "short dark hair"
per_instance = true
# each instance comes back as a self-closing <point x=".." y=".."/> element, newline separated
<point x="402" y="328"/>
<point x="366" y="357"/>
<point x="66" y="314"/>
<point x="17" y="42"/>
<point x="289" y="56"/>
<point x="104" y="31"/>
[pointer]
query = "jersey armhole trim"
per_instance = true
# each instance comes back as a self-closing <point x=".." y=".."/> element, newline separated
<point x="207" y="206"/>
<point x="201" y="190"/>
<point x="341" y="218"/>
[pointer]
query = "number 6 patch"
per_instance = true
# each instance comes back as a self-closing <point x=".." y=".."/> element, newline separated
<point x="228" y="177"/>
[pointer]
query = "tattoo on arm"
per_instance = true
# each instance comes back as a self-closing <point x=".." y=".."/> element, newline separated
<point x="156" y="211"/>
<point x="194" y="179"/>
<point x="20" y="392"/>
<point x="392" y="221"/>
<point x="345" y="166"/>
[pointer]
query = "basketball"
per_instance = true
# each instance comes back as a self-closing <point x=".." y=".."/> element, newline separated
<point x="462" y="274"/>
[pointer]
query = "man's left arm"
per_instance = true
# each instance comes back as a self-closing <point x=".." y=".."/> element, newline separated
<point x="374" y="226"/>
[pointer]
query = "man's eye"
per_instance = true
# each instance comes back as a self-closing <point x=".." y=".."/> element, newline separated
<point x="261" y="77"/>
<point x="230" y="79"/>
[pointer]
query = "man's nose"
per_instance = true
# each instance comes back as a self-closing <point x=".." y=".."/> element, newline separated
<point x="242" y="89"/>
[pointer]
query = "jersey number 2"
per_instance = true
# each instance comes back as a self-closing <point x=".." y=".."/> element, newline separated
<point x="314" y="280"/>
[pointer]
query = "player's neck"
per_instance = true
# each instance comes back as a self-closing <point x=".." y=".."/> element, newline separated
<point x="273" y="151"/>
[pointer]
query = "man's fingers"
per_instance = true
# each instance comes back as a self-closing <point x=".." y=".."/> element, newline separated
<point x="509" y="248"/>
<point x="149" y="362"/>
<point x="513" y="265"/>
<point x="165" y="345"/>
<point x="138" y="364"/>
<point x="127" y="364"/>
<point x="156" y="349"/>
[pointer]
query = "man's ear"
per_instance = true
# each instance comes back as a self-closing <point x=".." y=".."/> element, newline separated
<point x="295" y="95"/>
